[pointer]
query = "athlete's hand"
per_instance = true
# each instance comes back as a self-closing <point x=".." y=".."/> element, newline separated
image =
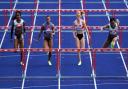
<point x="101" y="29"/>
<point x="74" y="34"/>
<point x="118" y="38"/>
<point x="89" y="37"/>
<point x="53" y="33"/>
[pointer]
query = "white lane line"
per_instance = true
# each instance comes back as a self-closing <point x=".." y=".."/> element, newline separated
<point x="59" y="75"/>
<point x="24" y="76"/>
<point x="8" y="23"/>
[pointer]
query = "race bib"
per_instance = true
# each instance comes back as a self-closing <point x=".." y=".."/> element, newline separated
<point x="113" y="32"/>
<point x="48" y="29"/>
<point x="18" y="25"/>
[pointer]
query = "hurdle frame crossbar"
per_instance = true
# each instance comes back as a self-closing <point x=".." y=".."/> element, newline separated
<point x="67" y="10"/>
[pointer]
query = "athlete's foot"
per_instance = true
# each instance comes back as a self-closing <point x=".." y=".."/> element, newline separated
<point x="22" y="63"/>
<point x="47" y="53"/>
<point x="79" y="58"/>
<point x="79" y="63"/>
<point x="49" y="63"/>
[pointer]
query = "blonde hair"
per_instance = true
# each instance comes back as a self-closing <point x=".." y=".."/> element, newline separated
<point x="79" y="12"/>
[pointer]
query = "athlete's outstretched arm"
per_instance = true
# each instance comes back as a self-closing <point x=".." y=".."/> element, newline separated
<point x="118" y="22"/>
<point x="104" y="27"/>
<point x="53" y="30"/>
<point x="85" y="27"/>
<point x="74" y="31"/>
<point x="12" y="28"/>
<point x="24" y="27"/>
<point x="41" y="30"/>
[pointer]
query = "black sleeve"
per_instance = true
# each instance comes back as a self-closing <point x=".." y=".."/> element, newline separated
<point x="12" y="28"/>
<point x="24" y="27"/>
<point x="13" y="18"/>
<point x="106" y="27"/>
